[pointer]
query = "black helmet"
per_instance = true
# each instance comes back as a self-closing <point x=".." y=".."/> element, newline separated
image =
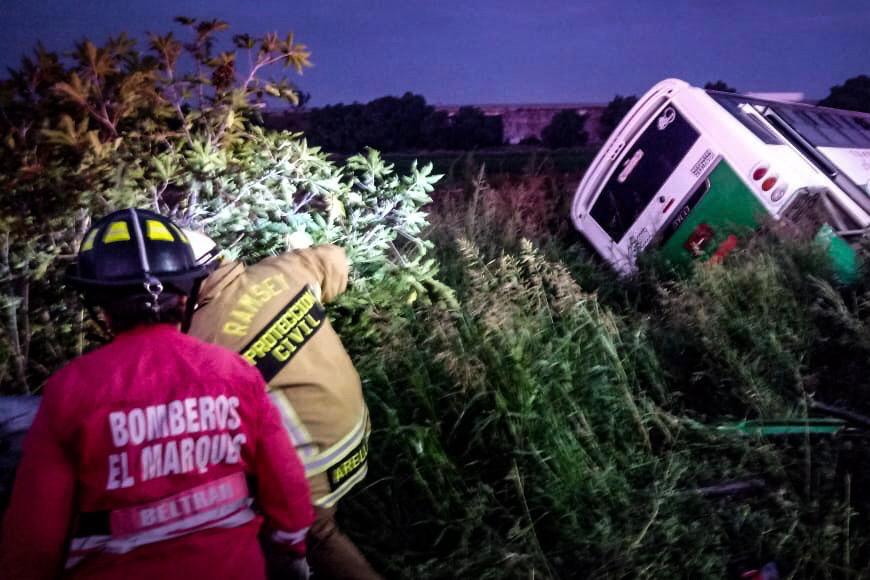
<point x="135" y="252"/>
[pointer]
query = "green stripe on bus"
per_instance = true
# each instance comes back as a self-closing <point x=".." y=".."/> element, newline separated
<point x="728" y="209"/>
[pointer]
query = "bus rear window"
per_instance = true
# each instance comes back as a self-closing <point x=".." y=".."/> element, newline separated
<point x="731" y="103"/>
<point x="642" y="170"/>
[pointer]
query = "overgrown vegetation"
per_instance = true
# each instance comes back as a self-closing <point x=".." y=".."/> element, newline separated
<point x="171" y="128"/>
<point x="562" y="424"/>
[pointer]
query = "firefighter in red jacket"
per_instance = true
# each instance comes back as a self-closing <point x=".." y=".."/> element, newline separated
<point x="147" y="454"/>
<point x="272" y="313"/>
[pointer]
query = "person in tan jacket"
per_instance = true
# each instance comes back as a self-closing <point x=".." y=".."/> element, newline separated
<point x="272" y="314"/>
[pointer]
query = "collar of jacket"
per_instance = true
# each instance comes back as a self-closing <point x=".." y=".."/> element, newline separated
<point x="212" y="286"/>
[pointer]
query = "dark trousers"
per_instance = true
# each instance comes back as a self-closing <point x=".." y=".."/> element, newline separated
<point x="331" y="554"/>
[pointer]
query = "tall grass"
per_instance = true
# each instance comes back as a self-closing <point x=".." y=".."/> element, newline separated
<point x="561" y="424"/>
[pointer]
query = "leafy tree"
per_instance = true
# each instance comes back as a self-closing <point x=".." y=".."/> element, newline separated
<point x="853" y="95"/>
<point x="387" y="123"/>
<point x="565" y="130"/>
<point x="613" y="113"/>
<point x="471" y="128"/>
<point x="394" y="124"/>
<point x="720" y="86"/>
<point x="171" y="128"/>
<point x="435" y="131"/>
<point x="400" y="124"/>
<point x="336" y="127"/>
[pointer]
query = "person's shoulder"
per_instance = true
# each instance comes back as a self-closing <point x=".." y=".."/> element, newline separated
<point x="84" y="364"/>
<point x="209" y="350"/>
<point x="277" y="261"/>
<point x="220" y="360"/>
<point x="311" y="260"/>
<point x="75" y="382"/>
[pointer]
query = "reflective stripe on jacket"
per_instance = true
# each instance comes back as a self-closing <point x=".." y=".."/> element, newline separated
<point x="271" y="313"/>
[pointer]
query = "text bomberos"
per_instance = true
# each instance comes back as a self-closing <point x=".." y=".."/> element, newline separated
<point x="181" y="436"/>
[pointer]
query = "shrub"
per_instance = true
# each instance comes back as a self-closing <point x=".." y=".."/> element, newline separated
<point x="386" y="124"/>
<point x="613" y="113"/>
<point x="565" y="130"/>
<point x="112" y="127"/>
<point x="853" y="95"/>
<point x="469" y="128"/>
<point x="532" y="433"/>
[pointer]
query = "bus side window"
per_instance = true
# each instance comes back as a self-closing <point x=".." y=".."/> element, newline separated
<point x="863" y="129"/>
<point x="843" y="136"/>
<point x="733" y="104"/>
<point x="804" y="124"/>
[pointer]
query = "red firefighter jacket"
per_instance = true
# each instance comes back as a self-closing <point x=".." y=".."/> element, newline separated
<point x="143" y="462"/>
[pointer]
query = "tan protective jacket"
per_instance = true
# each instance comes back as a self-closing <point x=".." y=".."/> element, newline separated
<point x="271" y="313"/>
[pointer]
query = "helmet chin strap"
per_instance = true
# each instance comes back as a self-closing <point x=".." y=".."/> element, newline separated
<point x="152" y="285"/>
<point x="190" y="306"/>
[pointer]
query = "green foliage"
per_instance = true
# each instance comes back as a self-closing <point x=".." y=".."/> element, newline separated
<point x="565" y="129"/>
<point x="535" y="432"/>
<point x="496" y="213"/>
<point x="401" y="124"/>
<point x="467" y="129"/>
<point x="720" y="86"/>
<point x="111" y="127"/>
<point x="471" y="128"/>
<point x="762" y="336"/>
<point x="560" y="422"/>
<point x="853" y="95"/>
<point x="613" y="113"/>
<point x="387" y="124"/>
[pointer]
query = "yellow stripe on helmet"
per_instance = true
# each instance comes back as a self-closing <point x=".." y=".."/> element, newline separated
<point x="156" y="230"/>
<point x="180" y="233"/>
<point x="88" y="244"/>
<point x="116" y="232"/>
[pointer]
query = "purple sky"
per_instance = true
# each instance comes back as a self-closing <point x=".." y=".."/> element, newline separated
<point x="502" y="51"/>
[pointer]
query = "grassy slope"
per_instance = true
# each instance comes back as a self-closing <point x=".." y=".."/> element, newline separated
<point x="556" y="424"/>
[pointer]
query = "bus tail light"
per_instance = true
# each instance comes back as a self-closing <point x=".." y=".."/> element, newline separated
<point x="762" y="172"/>
<point x="759" y="172"/>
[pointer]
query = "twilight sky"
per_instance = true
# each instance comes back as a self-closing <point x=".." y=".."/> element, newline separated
<point x="501" y="51"/>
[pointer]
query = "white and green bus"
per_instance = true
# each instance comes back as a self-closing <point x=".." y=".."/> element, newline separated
<point x="688" y="169"/>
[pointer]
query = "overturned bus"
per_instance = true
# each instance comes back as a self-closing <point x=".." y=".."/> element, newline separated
<point x="687" y="170"/>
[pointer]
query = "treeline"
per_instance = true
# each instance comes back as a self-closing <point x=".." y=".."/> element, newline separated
<point x="409" y="123"/>
<point x="401" y="123"/>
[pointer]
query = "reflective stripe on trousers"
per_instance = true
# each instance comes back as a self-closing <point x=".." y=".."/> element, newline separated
<point x="316" y="462"/>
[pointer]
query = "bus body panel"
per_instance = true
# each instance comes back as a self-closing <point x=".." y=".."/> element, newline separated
<point x="853" y="162"/>
<point x="709" y="224"/>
